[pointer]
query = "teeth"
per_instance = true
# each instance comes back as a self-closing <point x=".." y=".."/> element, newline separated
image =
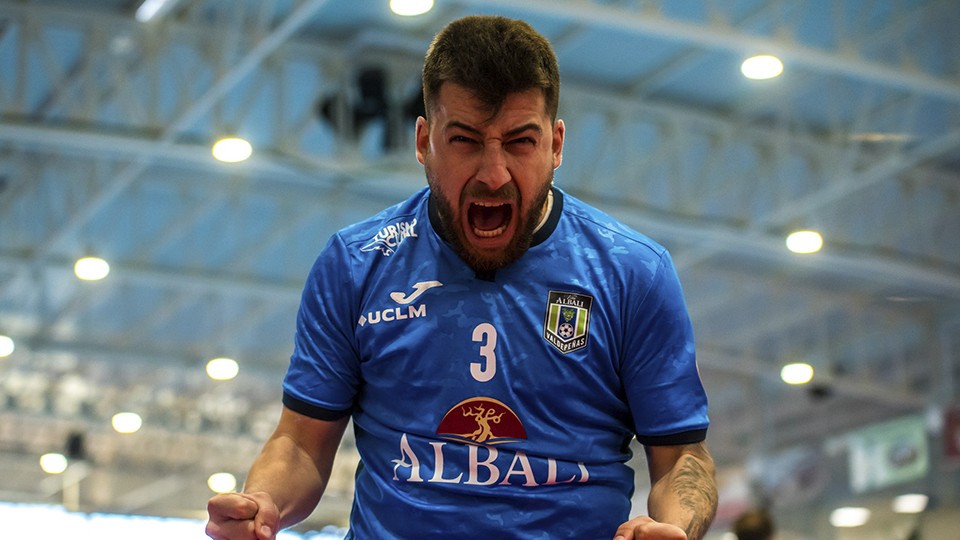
<point x="490" y="234"/>
<point x="494" y="232"/>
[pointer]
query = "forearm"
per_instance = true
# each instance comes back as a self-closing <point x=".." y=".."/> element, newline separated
<point x="686" y="495"/>
<point x="290" y="476"/>
<point x="295" y="463"/>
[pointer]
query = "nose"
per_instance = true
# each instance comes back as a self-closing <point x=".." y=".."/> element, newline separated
<point x="493" y="171"/>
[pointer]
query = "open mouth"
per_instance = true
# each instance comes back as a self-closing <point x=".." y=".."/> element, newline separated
<point x="488" y="220"/>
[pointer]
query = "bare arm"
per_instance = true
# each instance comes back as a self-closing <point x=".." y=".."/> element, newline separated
<point x="295" y="463"/>
<point x="285" y="482"/>
<point x="684" y="491"/>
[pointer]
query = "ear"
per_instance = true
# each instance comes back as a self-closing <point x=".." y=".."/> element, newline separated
<point x="423" y="138"/>
<point x="558" y="131"/>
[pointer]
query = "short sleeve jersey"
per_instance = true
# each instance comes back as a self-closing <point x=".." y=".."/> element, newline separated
<point x="498" y="406"/>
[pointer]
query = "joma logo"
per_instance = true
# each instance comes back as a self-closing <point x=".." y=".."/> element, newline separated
<point x="406" y="309"/>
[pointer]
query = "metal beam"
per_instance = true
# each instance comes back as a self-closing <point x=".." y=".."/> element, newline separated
<point x="716" y="36"/>
<point x="179" y="280"/>
<point x="201" y="106"/>
<point x="881" y="269"/>
<point x="715" y="238"/>
<point x="308" y="171"/>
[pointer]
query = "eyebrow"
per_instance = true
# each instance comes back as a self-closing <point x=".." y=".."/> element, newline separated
<point x="532" y="126"/>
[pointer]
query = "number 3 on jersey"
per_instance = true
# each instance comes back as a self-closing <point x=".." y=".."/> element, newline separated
<point x="486" y="335"/>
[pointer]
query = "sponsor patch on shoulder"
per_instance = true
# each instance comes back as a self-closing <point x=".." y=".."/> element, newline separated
<point x="388" y="239"/>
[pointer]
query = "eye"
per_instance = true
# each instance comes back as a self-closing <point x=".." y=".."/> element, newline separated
<point x="523" y="142"/>
<point x="461" y="139"/>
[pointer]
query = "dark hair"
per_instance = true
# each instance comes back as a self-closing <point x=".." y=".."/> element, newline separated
<point x="754" y="525"/>
<point x="492" y="57"/>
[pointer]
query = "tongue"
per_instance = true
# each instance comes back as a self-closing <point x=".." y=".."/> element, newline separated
<point x="489" y="218"/>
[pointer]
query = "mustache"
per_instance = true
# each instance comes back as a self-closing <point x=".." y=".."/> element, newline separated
<point x="506" y="192"/>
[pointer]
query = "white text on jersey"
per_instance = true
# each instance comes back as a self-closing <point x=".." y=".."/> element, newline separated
<point x="492" y="468"/>
<point x="394" y="314"/>
<point x="390" y="237"/>
<point x="398" y="313"/>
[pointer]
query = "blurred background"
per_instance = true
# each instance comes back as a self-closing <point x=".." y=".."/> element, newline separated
<point x="149" y="280"/>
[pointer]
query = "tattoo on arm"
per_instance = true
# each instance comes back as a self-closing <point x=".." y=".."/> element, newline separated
<point x="697" y="492"/>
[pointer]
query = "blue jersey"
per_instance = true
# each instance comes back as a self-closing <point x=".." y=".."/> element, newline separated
<point x="496" y="406"/>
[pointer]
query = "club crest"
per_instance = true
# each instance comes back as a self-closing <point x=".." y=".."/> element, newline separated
<point x="567" y="323"/>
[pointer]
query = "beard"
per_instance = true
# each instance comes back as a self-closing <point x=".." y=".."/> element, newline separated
<point x="452" y="231"/>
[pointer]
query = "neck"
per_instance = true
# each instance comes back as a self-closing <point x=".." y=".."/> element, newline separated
<point x="545" y="211"/>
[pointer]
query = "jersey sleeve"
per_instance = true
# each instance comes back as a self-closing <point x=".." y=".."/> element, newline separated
<point x="323" y="376"/>
<point x="660" y="375"/>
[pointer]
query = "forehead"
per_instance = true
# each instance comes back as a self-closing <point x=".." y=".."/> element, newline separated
<point x="455" y="102"/>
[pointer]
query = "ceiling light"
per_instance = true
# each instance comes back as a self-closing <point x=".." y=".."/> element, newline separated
<point x="849" y="517"/>
<point x="797" y="373"/>
<point x="410" y="8"/>
<point x="53" y="463"/>
<point x="804" y="242"/>
<point x="6" y="346"/>
<point x="222" y="369"/>
<point x="127" y="422"/>
<point x="222" y="482"/>
<point x="150" y="9"/>
<point x="880" y="137"/>
<point x="762" y="66"/>
<point x="91" y="268"/>
<point x="232" y="150"/>
<point x="912" y="503"/>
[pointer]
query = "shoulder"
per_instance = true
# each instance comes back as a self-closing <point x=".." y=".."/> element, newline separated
<point x="386" y="230"/>
<point x="594" y="226"/>
<point x="358" y="249"/>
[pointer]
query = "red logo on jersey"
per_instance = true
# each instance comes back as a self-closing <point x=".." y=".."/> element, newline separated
<point x="481" y="420"/>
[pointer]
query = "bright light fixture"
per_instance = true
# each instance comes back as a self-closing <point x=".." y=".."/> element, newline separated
<point x="410" y="8"/>
<point x="127" y="422"/>
<point x="797" y="373"/>
<point x="53" y="463"/>
<point x="763" y="66"/>
<point x="222" y="369"/>
<point x="6" y="346"/>
<point x="849" y="517"/>
<point x="222" y="482"/>
<point x="881" y="137"/>
<point x="232" y="150"/>
<point x="911" y="503"/>
<point x="91" y="268"/>
<point x="804" y="242"/>
<point x="149" y="9"/>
